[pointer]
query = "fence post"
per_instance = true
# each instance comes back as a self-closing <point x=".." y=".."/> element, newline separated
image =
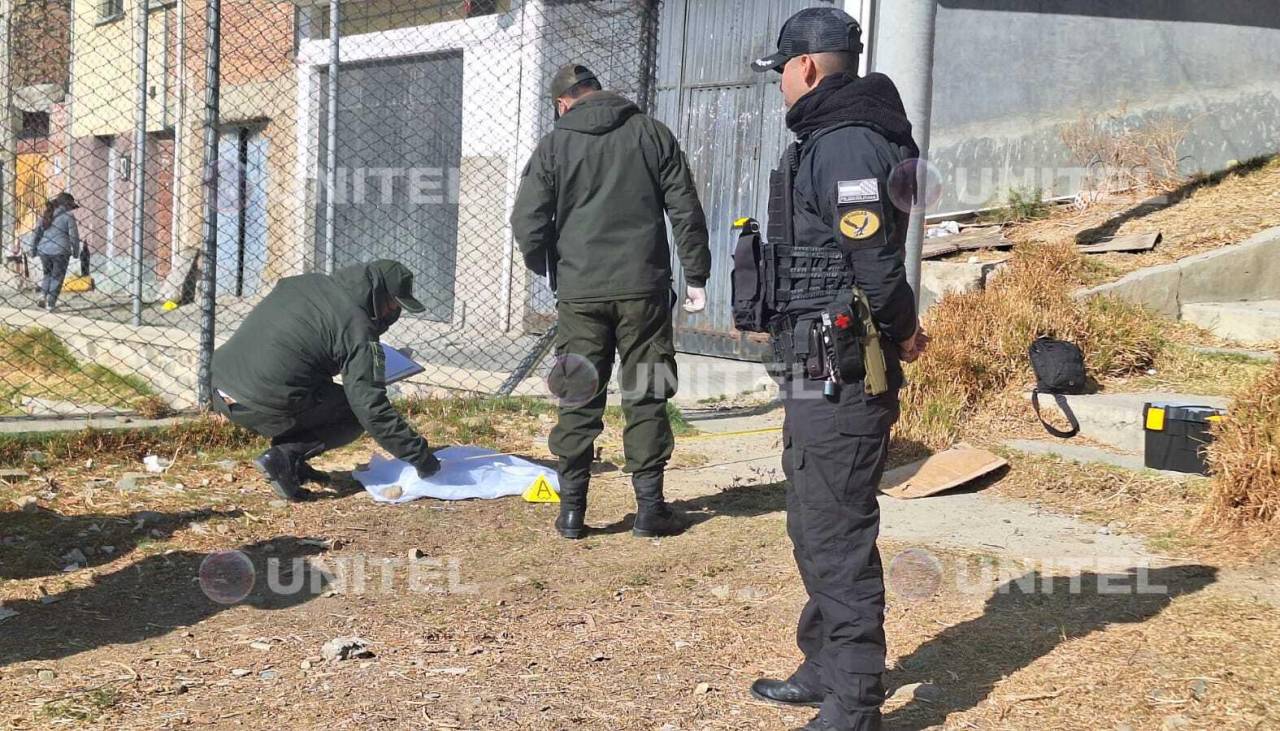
<point x="8" y="141"/>
<point x="140" y="155"/>
<point x="904" y="50"/>
<point x="209" y="270"/>
<point x="331" y="158"/>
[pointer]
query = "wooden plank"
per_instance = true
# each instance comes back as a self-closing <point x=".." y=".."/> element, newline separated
<point x="944" y="471"/>
<point x="991" y="237"/>
<point x="1134" y="243"/>
<point x="939" y="249"/>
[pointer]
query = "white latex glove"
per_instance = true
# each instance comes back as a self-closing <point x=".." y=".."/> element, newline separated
<point x="695" y="300"/>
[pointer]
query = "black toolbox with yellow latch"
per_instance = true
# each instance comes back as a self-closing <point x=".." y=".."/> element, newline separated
<point x="1177" y="436"/>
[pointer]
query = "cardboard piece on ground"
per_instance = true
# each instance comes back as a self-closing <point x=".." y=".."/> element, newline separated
<point x="974" y="239"/>
<point x="541" y="491"/>
<point x="1135" y="243"/>
<point x="941" y="472"/>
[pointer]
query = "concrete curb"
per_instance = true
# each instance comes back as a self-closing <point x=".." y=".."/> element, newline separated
<point x="1246" y="271"/>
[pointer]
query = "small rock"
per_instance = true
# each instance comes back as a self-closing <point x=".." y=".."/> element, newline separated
<point x="130" y="481"/>
<point x="305" y="664"/>
<point x="228" y="478"/>
<point x="702" y="689"/>
<point x="477" y="650"/>
<point x="34" y="457"/>
<point x="46" y="676"/>
<point x="1104" y="531"/>
<point x="752" y="593"/>
<point x="417" y="554"/>
<point x="155" y="465"/>
<point x="108" y="550"/>
<point x="599" y="657"/>
<point x="1116" y="526"/>
<point x="1199" y="689"/>
<point x="97" y="484"/>
<point x="240" y="672"/>
<point x="88" y="464"/>
<point x="927" y="692"/>
<point x="280" y="504"/>
<point x="345" y="648"/>
<point x="75" y="556"/>
<point x="50" y="599"/>
<point x="1176" y="723"/>
<point x="27" y="503"/>
<point x="261" y="646"/>
<point x="395" y="492"/>
<point x="681" y="644"/>
<point x="226" y="465"/>
<point x="269" y="674"/>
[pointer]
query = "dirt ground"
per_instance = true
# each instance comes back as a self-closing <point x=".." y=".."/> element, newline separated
<point x="477" y="616"/>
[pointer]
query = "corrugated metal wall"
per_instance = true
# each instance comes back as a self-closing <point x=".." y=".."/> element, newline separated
<point x="730" y="123"/>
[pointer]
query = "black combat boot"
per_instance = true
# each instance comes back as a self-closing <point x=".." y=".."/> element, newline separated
<point x="307" y="473"/>
<point x="278" y="466"/>
<point x="572" y="521"/>
<point x="654" y="518"/>
<point x="786" y="693"/>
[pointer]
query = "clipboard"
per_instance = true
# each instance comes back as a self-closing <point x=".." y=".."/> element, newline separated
<point x="398" y="365"/>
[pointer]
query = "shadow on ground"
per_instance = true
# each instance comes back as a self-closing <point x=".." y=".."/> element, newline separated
<point x="35" y="544"/>
<point x="157" y="595"/>
<point x="1024" y="620"/>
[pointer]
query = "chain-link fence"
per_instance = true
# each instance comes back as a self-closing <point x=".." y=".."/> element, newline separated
<point x="400" y="132"/>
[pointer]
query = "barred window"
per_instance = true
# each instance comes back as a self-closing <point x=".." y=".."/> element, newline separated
<point x="110" y="9"/>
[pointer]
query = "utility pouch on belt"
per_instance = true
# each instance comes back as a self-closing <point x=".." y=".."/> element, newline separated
<point x="750" y="278"/>
<point x="845" y="341"/>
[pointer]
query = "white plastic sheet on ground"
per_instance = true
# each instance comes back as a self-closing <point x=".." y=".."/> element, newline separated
<point x="466" y="473"/>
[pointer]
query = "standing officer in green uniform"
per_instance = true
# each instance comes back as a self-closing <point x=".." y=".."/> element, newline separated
<point x="832" y="228"/>
<point x="589" y="213"/>
<point x="274" y="375"/>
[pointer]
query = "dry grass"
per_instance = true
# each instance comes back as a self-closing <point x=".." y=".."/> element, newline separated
<point x="980" y="339"/>
<point x="1246" y="459"/>
<point x="1205" y="214"/>
<point x="1122" y="155"/>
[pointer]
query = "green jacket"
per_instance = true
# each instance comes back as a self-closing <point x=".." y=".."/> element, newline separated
<point x="309" y="329"/>
<point x="593" y="195"/>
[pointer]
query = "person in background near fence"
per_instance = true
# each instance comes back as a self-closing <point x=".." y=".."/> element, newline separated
<point x="275" y="375"/>
<point x="831" y="194"/>
<point x="56" y="240"/>
<point x="589" y="214"/>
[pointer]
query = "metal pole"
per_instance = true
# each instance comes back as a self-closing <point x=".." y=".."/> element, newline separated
<point x="8" y="141"/>
<point x="209" y="269"/>
<point x="139" y="157"/>
<point x="904" y="50"/>
<point x="331" y="162"/>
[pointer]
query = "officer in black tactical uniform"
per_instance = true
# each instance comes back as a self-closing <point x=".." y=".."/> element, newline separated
<point x="835" y="247"/>
<point x="589" y="213"/>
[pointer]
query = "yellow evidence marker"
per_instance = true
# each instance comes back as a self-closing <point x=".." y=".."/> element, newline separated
<point x="541" y="491"/>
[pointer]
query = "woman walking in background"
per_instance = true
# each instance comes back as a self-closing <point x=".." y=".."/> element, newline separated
<point x="56" y="241"/>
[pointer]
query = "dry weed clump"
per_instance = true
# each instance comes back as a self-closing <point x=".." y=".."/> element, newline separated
<point x="980" y="338"/>
<point x="1122" y="152"/>
<point x="1245" y="458"/>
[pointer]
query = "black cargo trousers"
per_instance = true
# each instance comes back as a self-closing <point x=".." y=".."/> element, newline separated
<point x="325" y="423"/>
<point x="834" y="456"/>
<point x="638" y="332"/>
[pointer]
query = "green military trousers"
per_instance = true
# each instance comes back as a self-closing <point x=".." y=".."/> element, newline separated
<point x="639" y="331"/>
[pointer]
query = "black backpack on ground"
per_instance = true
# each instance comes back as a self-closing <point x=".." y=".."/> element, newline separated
<point x="1059" y="368"/>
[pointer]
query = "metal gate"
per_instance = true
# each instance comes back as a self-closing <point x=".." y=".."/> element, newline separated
<point x="399" y="149"/>
<point x="730" y="123"/>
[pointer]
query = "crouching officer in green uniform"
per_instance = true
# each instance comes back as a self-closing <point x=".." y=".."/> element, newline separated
<point x="589" y="214"/>
<point x="829" y="285"/>
<point x="275" y="375"/>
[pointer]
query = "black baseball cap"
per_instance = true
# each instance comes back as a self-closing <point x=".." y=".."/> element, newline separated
<point x="813" y="30"/>
<point x="569" y="76"/>
<point x="399" y="281"/>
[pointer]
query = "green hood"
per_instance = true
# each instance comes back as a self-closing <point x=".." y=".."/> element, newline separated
<point x="598" y="114"/>
<point x="366" y="284"/>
